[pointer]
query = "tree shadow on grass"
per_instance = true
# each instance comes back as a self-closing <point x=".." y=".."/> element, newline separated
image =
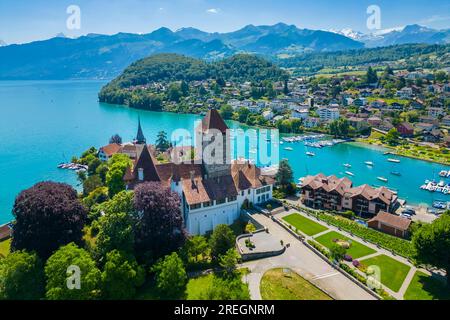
<point x="435" y="285"/>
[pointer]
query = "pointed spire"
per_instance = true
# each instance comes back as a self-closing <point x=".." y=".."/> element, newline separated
<point x="140" y="138"/>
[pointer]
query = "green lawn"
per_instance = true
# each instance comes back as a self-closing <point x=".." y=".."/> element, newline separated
<point x="393" y="272"/>
<point x="276" y="285"/>
<point x="305" y="225"/>
<point x="197" y="286"/>
<point x="356" y="250"/>
<point x="4" y="247"/>
<point x="425" y="287"/>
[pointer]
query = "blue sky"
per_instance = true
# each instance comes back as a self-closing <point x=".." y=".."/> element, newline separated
<point x="24" y="20"/>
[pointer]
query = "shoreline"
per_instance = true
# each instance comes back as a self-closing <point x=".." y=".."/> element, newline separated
<point x="394" y="152"/>
<point x="355" y="140"/>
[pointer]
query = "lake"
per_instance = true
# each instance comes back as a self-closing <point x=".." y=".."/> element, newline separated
<point x="44" y="123"/>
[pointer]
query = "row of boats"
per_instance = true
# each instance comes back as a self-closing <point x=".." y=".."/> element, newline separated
<point x="323" y="143"/>
<point x="73" y="166"/>
<point x="433" y="186"/>
<point x="303" y="138"/>
<point x="371" y="164"/>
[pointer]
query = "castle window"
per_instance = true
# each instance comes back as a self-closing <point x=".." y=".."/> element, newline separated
<point x="231" y="199"/>
<point x="220" y="201"/>
<point x="195" y="206"/>
<point x="141" y="174"/>
<point x="207" y="204"/>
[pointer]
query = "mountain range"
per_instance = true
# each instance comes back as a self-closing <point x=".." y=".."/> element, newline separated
<point x="396" y="36"/>
<point x="105" y="56"/>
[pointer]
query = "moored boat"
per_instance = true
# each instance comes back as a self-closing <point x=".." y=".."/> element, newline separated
<point x="311" y="154"/>
<point x="382" y="179"/>
<point x="369" y="163"/>
<point x="349" y="173"/>
<point x="394" y="160"/>
<point x="396" y="173"/>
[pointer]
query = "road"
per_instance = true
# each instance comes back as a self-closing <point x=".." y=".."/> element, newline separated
<point x="306" y="263"/>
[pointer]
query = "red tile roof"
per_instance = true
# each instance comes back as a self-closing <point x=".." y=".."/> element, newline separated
<point x="213" y="120"/>
<point x="397" y="222"/>
<point x="111" y="149"/>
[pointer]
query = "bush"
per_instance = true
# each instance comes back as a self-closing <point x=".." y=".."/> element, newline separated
<point x="250" y="228"/>
<point x="348" y="258"/>
<point x="356" y="263"/>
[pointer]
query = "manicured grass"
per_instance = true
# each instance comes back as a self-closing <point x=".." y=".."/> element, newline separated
<point x="425" y="287"/>
<point x="4" y="247"/>
<point x="276" y="285"/>
<point x="197" y="286"/>
<point x="305" y="225"/>
<point x="393" y="272"/>
<point x="356" y="250"/>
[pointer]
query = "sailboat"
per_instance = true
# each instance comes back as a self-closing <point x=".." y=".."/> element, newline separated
<point x="347" y="165"/>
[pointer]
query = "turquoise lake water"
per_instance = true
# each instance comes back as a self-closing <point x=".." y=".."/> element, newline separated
<point x="44" y="123"/>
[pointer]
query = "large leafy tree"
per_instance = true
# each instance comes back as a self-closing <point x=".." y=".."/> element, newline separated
<point x="196" y="246"/>
<point x="392" y="137"/>
<point x="371" y="76"/>
<point x="21" y="277"/>
<point x="159" y="228"/>
<point x="48" y="215"/>
<point x="285" y="175"/>
<point x="222" y="239"/>
<point x="162" y="143"/>
<point x="226" y="289"/>
<point x="121" y="276"/>
<point x="116" y="139"/>
<point x="115" y="232"/>
<point x="56" y="271"/>
<point x="171" y="278"/>
<point x="432" y="244"/>
<point x="114" y="178"/>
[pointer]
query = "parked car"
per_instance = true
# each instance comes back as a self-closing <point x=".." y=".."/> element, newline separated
<point x="411" y="212"/>
<point x="406" y="215"/>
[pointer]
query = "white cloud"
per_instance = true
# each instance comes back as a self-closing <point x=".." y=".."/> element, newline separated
<point x="213" y="10"/>
<point x="435" y="18"/>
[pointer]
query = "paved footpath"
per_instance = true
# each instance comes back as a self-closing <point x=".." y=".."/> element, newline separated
<point x="306" y="263"/>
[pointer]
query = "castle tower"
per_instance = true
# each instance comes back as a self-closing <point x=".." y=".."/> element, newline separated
<point x="214" y="137"/>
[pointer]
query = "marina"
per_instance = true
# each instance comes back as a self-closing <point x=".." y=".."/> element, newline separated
<point x="73" y="166"/>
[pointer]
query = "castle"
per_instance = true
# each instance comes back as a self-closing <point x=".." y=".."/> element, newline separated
<point x="211" y="192"/>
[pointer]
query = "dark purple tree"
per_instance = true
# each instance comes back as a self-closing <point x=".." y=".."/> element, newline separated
<point x="48" y="215"/>
<point x="159" y="228"/>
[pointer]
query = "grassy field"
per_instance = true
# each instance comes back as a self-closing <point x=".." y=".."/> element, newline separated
<point x="356" y="250"/>
<point x="4" y="247"/>
<point x="276" y="285"/>
<point x="393" y="272"/>
<point x="425" y="287"/>
<point x="305" y="225"/>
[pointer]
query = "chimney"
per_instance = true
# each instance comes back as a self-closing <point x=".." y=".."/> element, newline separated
<point x="191" y="173"/>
